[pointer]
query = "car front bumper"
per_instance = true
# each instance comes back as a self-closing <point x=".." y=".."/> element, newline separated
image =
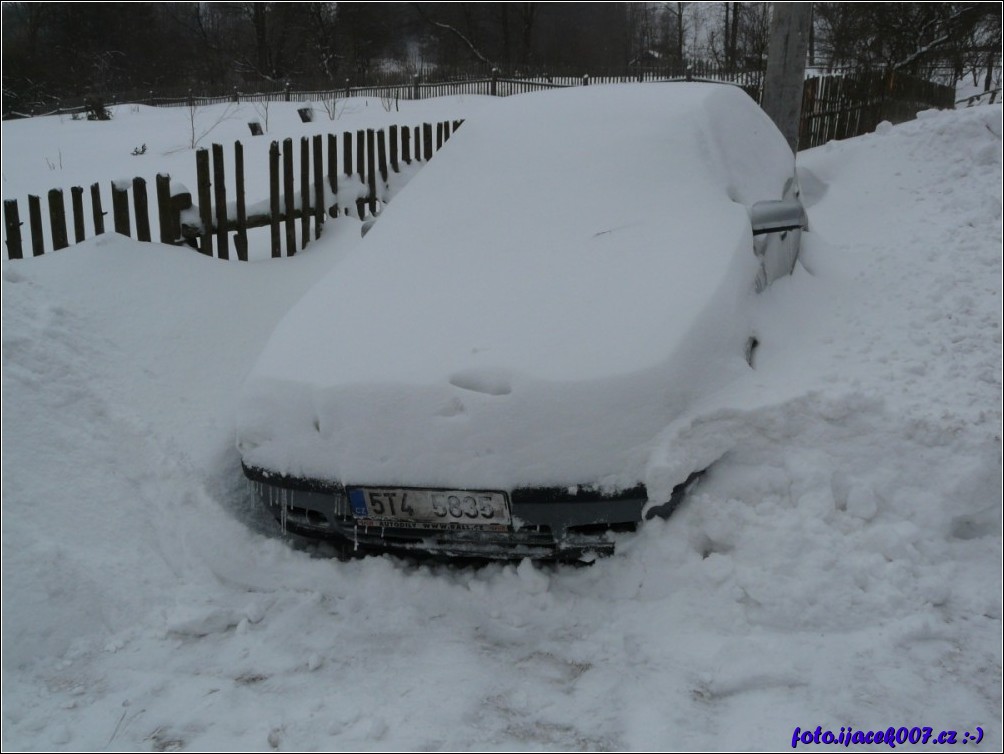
<point x="548" y="523"/>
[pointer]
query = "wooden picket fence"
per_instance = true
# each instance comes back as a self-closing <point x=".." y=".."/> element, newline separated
<point x="839" y="107"/>
<point x="364" y="164"/>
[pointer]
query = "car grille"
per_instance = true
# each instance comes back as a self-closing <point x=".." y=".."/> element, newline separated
<point x="321" y="509"/>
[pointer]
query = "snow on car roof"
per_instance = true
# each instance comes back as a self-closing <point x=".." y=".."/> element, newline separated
<point x="570" y="269"/>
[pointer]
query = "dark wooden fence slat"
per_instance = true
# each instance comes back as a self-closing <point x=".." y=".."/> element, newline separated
<point x="371" y="169"/>
<point x="305" y="209"/>
<point x="35" y="222"/>
<point x="77" y="200"/>
<point x="361" y="170"/>
<point x="318" y="184"/>
<point x="142" y="208"/>
<point x="406" y="145"/>
<point x="290" y="199"/>
<point x="12" y="224"/>
<point x="439" y="136"/>
<point x="57" y="219"/>
<point x="220" y="190"/>
<point x="241" y="237"/>
<point x="120" y="209"/>
<point x="179" y="203"/>
<point x="419" y="156"/>
<point x="427" y="139"/>
<point x="361" y="154"/>
<point x="382" y="156"/>
<point x="205" y="201"/>
<point x="273" y="192"/>
<point x="96" y="213"/>
<point x="165" y="217"/>
<point x="333" y="172"/>
<point x="347" y="153"/>
<point x="392" y="138"/>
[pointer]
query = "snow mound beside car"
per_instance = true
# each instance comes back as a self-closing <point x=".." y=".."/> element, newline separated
<point x="556" y="286"/>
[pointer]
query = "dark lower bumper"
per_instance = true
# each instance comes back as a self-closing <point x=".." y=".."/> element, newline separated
<point x="549" y="523"/>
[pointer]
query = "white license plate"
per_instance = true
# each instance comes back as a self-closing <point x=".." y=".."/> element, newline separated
<point x="437" y="509"/>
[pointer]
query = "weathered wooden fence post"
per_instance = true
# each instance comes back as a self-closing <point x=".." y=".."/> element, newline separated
<point x="12" y="224"/>
<point x="318" y="185"/>
<point x="120" y="208"/>
<point x="288" y="90"/>
<point x="241" y="237"/>
<point x="585" y="80"/>
<point x="406" y="145"/>
<point x="416" y="90"/>
<point x="346" y="153"/>
<point x="220" y="190"/>
<point x="427" y="141"/>
<point x="392" y="137"/>
<point x="382" y="156"/>
<point x="205" y="201"/>
<point x="371" y="169"/>
<point x="165" y="217"/>
<point x="494" y="89"/>
<point x="361" y="170"/>
<point x="289" y="196"/>
<point x="57" y="219"/>
<point x="273" y="192"/>
<point x="77" y="200"/>
<point x="305" y="209"/>
<point x="142" y="209"/>
<point x="333" y="173"/>
<point x="35" y="222"/>
<point x="96" y="214"/>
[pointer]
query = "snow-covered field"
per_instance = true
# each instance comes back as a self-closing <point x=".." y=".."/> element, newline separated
<point x="841" y="565"/>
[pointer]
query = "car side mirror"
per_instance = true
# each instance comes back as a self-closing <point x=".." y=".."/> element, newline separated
<point x="778" y="215"/>
<point x="777" y="231"/>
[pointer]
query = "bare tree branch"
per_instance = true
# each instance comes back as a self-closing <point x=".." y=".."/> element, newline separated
<point x="453" y="30"/>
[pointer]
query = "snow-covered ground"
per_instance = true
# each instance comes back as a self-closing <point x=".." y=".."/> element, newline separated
<point x="840" y="566"/>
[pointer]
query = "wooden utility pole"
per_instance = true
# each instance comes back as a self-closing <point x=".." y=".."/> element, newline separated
<point x="782" y="88"/>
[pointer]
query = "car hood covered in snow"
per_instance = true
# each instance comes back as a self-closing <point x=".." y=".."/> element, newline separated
<point x="566" y="276"/>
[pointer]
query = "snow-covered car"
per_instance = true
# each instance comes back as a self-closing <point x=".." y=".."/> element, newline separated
<point x="485" y="374"/>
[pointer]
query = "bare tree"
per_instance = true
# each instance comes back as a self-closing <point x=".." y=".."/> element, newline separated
<point x="918" y="38"/>
<point x="200" y="125"/>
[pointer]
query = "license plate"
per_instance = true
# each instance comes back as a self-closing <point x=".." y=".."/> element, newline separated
<point x="435" y="509"/>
